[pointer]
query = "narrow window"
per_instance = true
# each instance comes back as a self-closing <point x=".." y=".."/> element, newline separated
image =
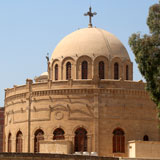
<point x="56" y="72"/>
<point x="80" y="140"/>
<point x="9" y="142"/>
<point x="68" y="70"/>
<point x="116" y="71"/>
<point x="118" y="141"/>
<point x="145" y="138"/>
<point x="58" y="134"/>
<point x="127" y="72"/>
<point x="19" y="142"/>
<point x="84" y="70"/>
<point x="38" y="136"/>
<point x="101" y="70"/>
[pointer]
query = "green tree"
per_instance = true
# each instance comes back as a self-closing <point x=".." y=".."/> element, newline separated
<point x="147" y="53"/>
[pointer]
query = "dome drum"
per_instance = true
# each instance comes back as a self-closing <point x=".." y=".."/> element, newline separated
<point x="93" y="68"/>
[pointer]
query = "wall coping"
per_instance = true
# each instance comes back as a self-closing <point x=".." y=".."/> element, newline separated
<point x="146" y="142"/>
<point x="54" y="156"/>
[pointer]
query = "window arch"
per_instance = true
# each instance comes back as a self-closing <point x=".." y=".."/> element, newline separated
<point x="118" y="141"/>
<point x="84" y="70"/>
<point x="19" y="142"/>
<point x="9" y="142"/>
<point x="80" y="140"/>
<point x="38" y="136"/>
<point x="145" y="138"/>
<point x="58" y="134"/>
<point x="56" y="72"/>
<point x="127" y="72"/>
<point x="116" y="71"/>
<point x="101" y="70"/>
<point x="68" y="70"/>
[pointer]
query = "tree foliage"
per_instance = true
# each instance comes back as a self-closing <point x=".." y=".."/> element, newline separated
<point x="147" y="52"/>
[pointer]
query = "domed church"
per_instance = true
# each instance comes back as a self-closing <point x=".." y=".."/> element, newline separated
<point x="87" y="102"/>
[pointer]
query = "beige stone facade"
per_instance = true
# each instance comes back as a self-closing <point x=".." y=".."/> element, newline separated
<point x="99" y="106"/>
<point x="143" y="149"/>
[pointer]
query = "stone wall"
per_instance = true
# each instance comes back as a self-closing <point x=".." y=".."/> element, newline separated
<point x="99" y="107"/>
<point x="142" y="149"/>
<point x="1" y="128"/>
<point x="31" y="156"/>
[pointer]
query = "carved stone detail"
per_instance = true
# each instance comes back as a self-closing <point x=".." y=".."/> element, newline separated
<point x="59" y="115"/>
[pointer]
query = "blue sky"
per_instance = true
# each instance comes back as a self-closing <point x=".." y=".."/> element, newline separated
<point x="31" y="28"/>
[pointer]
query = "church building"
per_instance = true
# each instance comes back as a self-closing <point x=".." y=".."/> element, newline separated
<point x="87" y="101"/>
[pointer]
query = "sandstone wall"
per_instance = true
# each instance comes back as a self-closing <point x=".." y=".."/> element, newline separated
<point x="1" y="128"/>
<point x="98" y="106"/>
<point x="30" y="156"/>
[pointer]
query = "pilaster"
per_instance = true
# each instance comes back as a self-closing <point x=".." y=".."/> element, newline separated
<point x="96" y="123"/>
<point x="28" y="103"/>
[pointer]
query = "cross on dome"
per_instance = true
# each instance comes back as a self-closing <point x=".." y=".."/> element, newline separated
<point x="90" y="14"/>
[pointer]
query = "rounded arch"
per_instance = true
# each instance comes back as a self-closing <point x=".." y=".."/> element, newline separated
<point x="80" y="139"/>
<point x="52" y="70"/>
<point x="81" y="126"/>
<point x="66" y="59"/>
<point x="116" y="68"/>
<point x="79" y="66"/>
<point x="35" y="129"/>
<point x="97" y="69"/>
<point x="119" y="130"/>
<point x="58" y="134"/>
<point x="101" y="68"/>
<point x="127" y="70"/>
<point x="38" y="136"/>
<point x="19" y="142"/>
<point x="54" y="62"/>
<point x="118" y="140"/>
<point x="68" y="68"/>
<point x="9" y="148"/>
<point x="56" y="67"/>
<point x="84" y="69"/>
<point x="145" y="138"/>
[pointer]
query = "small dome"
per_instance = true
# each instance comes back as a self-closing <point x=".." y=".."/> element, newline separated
<point x="90" y="41"/>
<point x="44" y="74"/>
<point x="42" y="78"/>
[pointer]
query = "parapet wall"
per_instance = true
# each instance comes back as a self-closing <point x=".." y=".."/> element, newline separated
<point x="32" y="156"/>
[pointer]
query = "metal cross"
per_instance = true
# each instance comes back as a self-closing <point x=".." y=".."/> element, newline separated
<point x="90" y="14"/>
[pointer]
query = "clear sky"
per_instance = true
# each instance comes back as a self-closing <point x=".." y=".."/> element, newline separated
<point x="31" y="28"/>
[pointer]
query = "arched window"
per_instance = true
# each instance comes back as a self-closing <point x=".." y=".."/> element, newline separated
<point x="58" y="134"/>
<point x="80" y="140"/>
<point x="19" y="142"/>
<point x="56" y="72"/>
<point x="38" y="136"/>
<point x="9" y="142"/>
<point x="116" y="71"/>
<point x="101" y="70"/>
<point x="68" y="70"/>
<point x="127" y="72"/>
<point x="84" y="70"/>
<point x="145" y="138"/>
<point x="118" y="141"/>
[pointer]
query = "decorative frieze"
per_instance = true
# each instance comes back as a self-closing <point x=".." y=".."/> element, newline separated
<point x="113" y="91"/>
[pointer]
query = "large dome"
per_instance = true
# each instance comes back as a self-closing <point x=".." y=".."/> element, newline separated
<point x="90" y="42"/>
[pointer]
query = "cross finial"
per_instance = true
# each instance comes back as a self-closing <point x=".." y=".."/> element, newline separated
<point x="90" y="14"/>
